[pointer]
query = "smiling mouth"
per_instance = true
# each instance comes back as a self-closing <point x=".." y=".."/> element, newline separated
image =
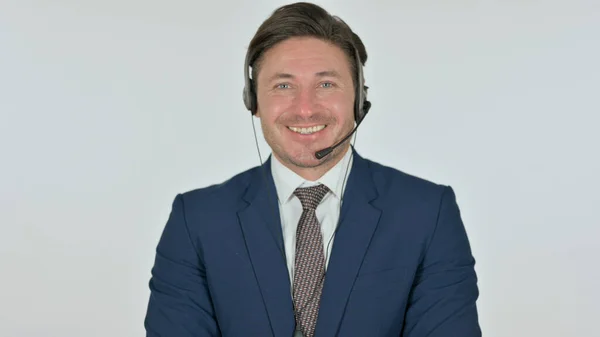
<point x="307" y="131"/>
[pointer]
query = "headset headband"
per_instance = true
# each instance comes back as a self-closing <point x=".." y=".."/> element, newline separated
<point x="361" y="106"/>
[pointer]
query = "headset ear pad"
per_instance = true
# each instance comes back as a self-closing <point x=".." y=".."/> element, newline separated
<point x="249" y="97"/>
<point x="246" y="98"/>
<point x="363" y="105"/>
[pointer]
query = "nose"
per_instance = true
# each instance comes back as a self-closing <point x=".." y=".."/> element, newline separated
<point x="306" y="102"/>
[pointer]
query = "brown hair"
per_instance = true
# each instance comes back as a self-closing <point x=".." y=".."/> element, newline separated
<point x="304" y="19"/>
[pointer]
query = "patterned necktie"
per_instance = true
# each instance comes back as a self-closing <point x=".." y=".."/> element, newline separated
<point x="309" y="266"/>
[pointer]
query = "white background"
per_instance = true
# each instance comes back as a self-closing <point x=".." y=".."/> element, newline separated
<point x="110" y="108"/>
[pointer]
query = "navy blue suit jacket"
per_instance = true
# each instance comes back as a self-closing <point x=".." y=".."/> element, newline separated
<point x="401" y="263"/>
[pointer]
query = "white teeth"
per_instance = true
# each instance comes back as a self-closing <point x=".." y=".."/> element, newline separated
<point x="307" y="131"/>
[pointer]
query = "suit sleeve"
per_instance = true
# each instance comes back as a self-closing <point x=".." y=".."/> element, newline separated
<point x="443" y="299"/>
<point x="180" y="303"/>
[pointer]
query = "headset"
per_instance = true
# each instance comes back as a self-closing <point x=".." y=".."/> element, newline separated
<point x="361" y="108"/>
<point x="361" y="104"/>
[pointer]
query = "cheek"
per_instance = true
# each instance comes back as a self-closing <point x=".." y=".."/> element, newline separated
<point x="271" y="108"/>
<point x="343" y="109"/>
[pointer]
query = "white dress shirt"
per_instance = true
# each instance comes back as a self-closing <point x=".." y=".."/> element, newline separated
<point x="290" y="208"/>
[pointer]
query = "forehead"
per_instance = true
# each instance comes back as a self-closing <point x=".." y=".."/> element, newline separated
<point x="304" y="55"/>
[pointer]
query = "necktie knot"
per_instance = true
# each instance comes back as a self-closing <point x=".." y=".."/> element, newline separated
<point x="310" y="197"/>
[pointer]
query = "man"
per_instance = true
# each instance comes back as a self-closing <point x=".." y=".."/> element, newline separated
<point x="307" y="244"/>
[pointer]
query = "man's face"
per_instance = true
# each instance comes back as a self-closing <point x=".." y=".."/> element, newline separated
<point x="305" y="98"/>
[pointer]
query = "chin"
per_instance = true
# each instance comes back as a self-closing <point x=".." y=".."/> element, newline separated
<point x="304" y="158"/>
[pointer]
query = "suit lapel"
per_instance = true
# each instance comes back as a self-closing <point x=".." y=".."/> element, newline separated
<point x="261" y="225"/>
<point x="358" y="221"/>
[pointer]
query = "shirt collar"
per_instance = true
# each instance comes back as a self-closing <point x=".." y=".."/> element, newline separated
<point x="286" y="180"/>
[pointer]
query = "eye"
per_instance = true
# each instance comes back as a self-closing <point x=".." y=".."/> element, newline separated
<point x="282" y="86"/>
<point x="327" y="84"/>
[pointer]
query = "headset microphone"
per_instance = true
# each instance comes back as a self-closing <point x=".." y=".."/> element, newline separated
<point x="322" y="153"/>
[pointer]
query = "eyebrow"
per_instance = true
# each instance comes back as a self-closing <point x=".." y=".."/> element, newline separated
<point x="326" y="73"/>
<point x="278" y="76"/>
